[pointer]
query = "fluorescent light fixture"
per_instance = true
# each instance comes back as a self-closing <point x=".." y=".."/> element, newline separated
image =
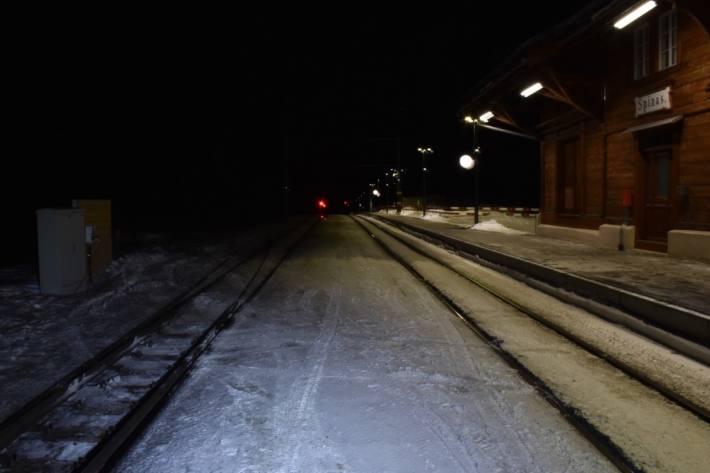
<point x="528" y="91"/>
<point x="635" y="14"/>
<point x="468" y="119"/>
<point x="486" y="116"/>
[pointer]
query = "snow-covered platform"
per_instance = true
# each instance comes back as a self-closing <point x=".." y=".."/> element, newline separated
<point x="671" y="293"/>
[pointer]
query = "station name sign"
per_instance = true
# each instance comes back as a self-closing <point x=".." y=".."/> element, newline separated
<point x="653" y="102"/>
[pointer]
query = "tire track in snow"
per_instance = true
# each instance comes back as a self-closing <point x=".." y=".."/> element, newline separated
<point x="465" y="366"/>
<point x="298" y="407"/>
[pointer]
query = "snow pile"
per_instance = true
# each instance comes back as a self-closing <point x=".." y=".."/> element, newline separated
<point x="434" y="217"/>
<point x="411" y="213"/>
<point x="494" y="226"/>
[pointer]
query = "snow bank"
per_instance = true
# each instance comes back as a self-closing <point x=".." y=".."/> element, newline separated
<point x="411" y="213"/>
<point x="494" y="226"/>
<point x="433" y="217"/>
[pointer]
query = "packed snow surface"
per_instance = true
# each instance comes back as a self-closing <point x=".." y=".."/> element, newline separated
<point x="657" y="435"/>
<point x="345" y="362"/>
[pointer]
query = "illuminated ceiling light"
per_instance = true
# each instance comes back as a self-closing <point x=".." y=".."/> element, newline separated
<point x="528" y="91"/>
<point x="468" y="119"/>
<point x="486" y="116"/>
<point x="635" y="14"/>
<point x="467" y="162"/>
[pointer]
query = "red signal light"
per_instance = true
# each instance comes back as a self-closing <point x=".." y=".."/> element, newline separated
<point x="322" y="204"/>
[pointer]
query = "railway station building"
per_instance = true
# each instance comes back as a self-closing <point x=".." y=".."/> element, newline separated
<point x="619" y="98"/>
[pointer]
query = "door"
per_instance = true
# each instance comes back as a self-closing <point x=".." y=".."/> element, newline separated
<point x="656" y="207"/>
<point x="567" y="172"/>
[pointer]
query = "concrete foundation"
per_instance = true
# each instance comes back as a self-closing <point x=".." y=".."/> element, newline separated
<point x="689" y="244"/>
<point x="607" y="236"/>
<point x="611" y="235"/>
<point x="567" y="233"/>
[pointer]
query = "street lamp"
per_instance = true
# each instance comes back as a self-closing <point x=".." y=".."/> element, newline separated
<point x="467" y="162"/>
<point x="372" y="193"/>
<point x="424" y="152"/>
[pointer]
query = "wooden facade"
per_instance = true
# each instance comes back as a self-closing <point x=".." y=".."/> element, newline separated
<point x="602" y="160"/>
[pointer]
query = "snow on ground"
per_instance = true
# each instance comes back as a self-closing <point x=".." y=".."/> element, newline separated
<point x="494" y="226"/>
<point x="45" y="337"/>
<point x="658" y="435"/>
<point x="347" y="363"/>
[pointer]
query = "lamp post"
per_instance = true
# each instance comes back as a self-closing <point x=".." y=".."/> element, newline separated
<point x="376" y="193"/>
<point x="373" y="192"/>
<point x="424" y="152"/>
<point x="468" y="162"/>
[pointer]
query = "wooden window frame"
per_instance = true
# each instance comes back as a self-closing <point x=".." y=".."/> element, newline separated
<point x="668" y="19"/>
<point x="642" y="52"/>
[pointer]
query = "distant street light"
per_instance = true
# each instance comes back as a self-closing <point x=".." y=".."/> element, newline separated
<point x="424" y="152"/>
<point x="376" y="193"/>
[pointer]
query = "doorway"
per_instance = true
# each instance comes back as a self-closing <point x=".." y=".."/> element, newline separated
<point x="568" y="195"/>
<point x="655" y="208"/>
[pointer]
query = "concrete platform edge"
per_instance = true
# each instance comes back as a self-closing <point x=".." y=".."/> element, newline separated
<point x="679" y="321"/>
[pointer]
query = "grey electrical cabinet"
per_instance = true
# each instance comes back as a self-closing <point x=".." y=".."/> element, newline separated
<point x="62" y="250"/>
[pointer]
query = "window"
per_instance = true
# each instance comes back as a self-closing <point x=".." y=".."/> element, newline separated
<point x="641" y="52"/>
<point x="668" y="39"/>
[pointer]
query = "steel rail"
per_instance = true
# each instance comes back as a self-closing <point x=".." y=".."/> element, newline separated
<point x="601" y="441"/>
<point x="41" y="405"/>
<point x="672" y="396"/>
<point x="689" y="333"/>
<point x="109" y="450"/>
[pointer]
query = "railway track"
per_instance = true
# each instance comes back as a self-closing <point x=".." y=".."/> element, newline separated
<point x="614" y="452"/>
<point x="84" y="421"/>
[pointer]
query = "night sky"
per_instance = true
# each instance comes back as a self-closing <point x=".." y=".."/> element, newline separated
<point x="191" y="119"/>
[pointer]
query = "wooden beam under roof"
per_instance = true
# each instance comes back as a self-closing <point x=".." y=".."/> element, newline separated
<point x="555" y="89"/>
